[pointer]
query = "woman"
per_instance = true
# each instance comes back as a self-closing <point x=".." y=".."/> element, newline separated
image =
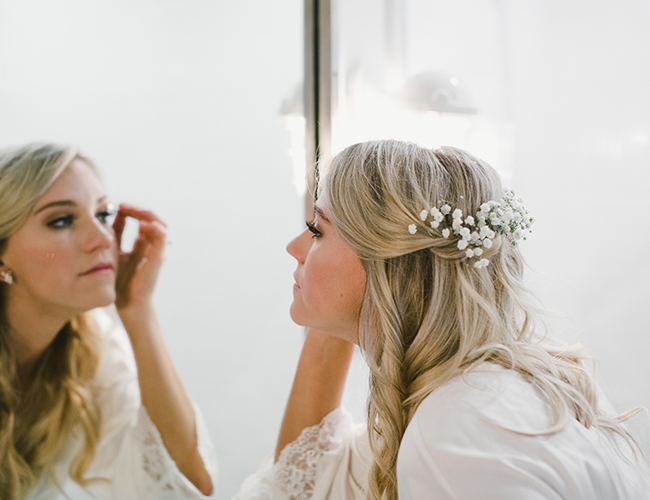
<point x="413" y="256"/>
<point x="75" y="419"/>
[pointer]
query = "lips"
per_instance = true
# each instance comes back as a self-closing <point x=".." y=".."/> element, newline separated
<point x="99" y="268"/>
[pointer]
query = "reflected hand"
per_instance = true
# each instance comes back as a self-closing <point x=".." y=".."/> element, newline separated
<point x="138" y="269"/>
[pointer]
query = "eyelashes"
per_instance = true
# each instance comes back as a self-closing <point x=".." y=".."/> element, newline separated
<point x="312" y="228"/>
<point x="61" y="222"/>
<point x="66" y="221"/>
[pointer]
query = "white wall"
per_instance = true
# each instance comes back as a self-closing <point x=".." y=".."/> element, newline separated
<point x="179" y="104"/>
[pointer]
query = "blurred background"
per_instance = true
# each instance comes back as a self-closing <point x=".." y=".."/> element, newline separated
<point x="196" y="109"/>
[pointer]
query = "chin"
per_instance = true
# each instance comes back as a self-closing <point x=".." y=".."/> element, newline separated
<point x="98" y="300"/>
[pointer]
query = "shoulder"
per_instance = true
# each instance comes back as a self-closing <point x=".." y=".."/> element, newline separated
<point x="487" y="432"/>
<point x="488" y="397"/>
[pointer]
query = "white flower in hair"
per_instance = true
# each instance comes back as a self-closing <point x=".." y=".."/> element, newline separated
<point x="506" y="217"/>
<point x="481" y="263"/>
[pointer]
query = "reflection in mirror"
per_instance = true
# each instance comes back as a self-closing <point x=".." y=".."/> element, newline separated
<point x="180" y="105"/>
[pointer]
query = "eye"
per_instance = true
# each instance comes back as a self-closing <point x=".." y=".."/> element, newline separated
<point x="61" y="222"/>
<point x="312" y="227"/>
<point x="105" y="216"/>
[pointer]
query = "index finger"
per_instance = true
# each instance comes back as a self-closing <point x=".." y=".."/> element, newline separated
<point x="140" y="214"/>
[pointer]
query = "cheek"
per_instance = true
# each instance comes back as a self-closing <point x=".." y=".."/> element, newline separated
<point x="48" y="264"/>
<point x="336" y="286"/>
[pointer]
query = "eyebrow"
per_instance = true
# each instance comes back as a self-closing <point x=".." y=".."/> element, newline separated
<point x="318" y="211"/>
<point x="63" y="203"/>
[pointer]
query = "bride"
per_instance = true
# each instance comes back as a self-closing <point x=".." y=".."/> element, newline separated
<point x="413" y="254"/>
<point x="76" y="419"/>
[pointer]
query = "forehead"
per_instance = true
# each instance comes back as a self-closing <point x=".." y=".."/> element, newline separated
<point x="77" y="183"/>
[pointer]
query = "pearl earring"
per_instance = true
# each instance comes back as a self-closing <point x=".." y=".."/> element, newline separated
<point x="7" y="276"/>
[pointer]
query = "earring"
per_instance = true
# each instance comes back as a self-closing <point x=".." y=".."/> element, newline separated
<point x="7" y="276"/>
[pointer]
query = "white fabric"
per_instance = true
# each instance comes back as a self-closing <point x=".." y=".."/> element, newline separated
<point x="457" y="447"/>
<point x="131" y="456"/>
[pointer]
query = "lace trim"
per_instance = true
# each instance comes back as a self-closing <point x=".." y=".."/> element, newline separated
<point x="293" y="477"/>
<point x="161" y="468"/>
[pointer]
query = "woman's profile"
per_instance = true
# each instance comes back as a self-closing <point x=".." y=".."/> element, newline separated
<point x="414" y="255"/>
<point x="76" y="419"/>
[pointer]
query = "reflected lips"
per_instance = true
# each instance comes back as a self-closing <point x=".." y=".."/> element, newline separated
<point x="102" y="268"/>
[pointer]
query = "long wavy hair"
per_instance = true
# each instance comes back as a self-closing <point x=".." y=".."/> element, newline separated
<point x="427" y="315"/>
<point x="35" y="424"/>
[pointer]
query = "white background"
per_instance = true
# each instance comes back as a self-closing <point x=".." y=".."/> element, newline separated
<point x="179" y="104"/>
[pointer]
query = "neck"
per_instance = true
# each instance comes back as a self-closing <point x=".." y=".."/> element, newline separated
<point x="31" y="329"/>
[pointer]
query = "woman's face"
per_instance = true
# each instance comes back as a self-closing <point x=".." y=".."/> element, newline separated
<point x="64" y="257"/>
<point x="330" y="279"/>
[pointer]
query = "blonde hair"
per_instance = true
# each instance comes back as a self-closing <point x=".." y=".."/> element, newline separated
<point x="427" y="315"/>
<point x="34" y="425"/>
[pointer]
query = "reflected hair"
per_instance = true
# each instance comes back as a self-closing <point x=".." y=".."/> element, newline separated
<point x="427" y="315"/>
<point x="59" y="404"/>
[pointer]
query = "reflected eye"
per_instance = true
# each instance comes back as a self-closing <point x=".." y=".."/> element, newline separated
<point x="107" y="215"/>
<point x="61" y="222"/>
<point x="312" y="227"/>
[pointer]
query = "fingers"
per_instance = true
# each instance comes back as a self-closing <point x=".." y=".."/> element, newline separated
<point x="139" y="214"/>
<point x="151" y="240"/>
<point x="118" y="227"/>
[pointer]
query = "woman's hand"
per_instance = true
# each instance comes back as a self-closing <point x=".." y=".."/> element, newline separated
<point x="138" y="269"/>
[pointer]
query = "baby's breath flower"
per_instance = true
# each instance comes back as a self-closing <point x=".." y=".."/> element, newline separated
<point x="506" y="217"/>
<point x="481" y="263"/>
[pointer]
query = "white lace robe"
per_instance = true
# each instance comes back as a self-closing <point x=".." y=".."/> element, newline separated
<point x="131" y="457"/>
<point x="458" y="447"/>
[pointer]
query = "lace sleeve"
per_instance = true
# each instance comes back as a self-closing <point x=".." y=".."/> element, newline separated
<point x="161" y="469"/>
<point x="315" y="466"/>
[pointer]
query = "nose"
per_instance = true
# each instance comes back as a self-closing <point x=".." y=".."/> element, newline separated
<point x="299" y="246"/>
<point x="98" y="237"/>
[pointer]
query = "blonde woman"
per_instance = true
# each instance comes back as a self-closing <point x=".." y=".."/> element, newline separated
<point x="413" y="255"/>
<point x="76" y="421"/>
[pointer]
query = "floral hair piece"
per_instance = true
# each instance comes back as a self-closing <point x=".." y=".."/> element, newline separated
<point x="506" y="216"/>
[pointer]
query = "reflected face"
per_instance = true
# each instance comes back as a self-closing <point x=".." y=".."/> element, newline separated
<point x="64" y="257"/>
<point x="330" y="279"/>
